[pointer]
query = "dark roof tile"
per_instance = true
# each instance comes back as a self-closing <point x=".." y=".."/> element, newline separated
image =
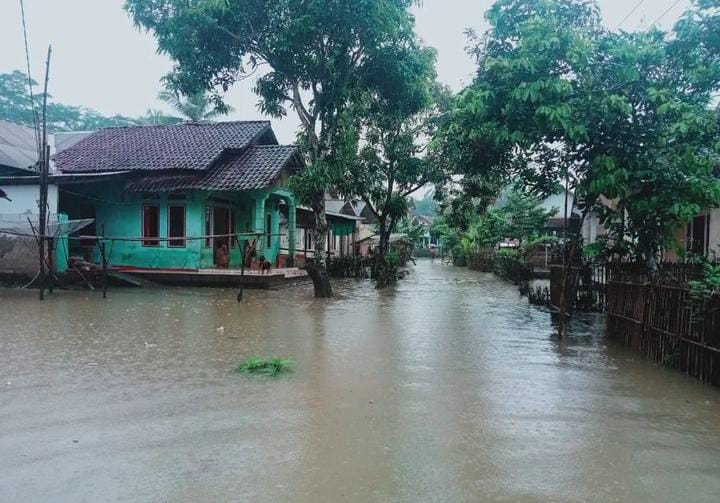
<point x="255" y="168"/>
<point x="188" y="146"/>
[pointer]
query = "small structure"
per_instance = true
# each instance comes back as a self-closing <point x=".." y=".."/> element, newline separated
<point x="341" y="237"/>
<point x="179" y="198"/>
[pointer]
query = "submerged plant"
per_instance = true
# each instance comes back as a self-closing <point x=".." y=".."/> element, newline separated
<point x="263" y="366"/>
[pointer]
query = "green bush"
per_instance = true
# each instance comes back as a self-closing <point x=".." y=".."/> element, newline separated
<point x="262" y="366"/>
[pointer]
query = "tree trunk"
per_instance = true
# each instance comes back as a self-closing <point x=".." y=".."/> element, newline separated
<point x="317" y="270"/>
<point x="568" y="260"/>
<point x="384" y="274"/>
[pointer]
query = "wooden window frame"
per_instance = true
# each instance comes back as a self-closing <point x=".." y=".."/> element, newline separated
<point x="154" y="241"/>
<point x="208" y="224"/>
<point x="182" y="240"/>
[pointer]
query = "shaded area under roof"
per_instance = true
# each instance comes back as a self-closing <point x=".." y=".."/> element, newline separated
<point x="187" y="146"/>
<point x="255" y="168"/>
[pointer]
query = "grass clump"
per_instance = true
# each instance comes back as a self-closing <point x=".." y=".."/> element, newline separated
<point x="263" y="366"/>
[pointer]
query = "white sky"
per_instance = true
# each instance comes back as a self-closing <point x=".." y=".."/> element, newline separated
<point x="101" y="61"/>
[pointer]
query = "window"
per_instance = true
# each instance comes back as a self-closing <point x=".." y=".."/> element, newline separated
<point x="268" y="230"/>
<point x="176" y="225"/>
<point x="151" y="225"/>
<point x="208" y="224"/>
<point x="308" y="239"/>
<point x="331" y="240"/>
<point x="698" y="235"/>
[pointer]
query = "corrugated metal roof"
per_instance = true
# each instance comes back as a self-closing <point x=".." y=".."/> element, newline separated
<point x="64" y="141"/>
<point x="17" y="146"/>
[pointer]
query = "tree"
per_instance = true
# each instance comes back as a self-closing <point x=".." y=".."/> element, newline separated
<point x="154" y="117"/>
<point x="427" y="206"/>
<point x="318" y="57"/>
<point x="195" y="107"/>
<point x="524" y="216"/>
<point x="16" y="106"/>
<point x="612" y="116"/>
<point x="396" y="126"/>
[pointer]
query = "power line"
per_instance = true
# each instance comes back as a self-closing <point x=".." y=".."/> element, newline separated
<point x="632" y="11"/>
<point x="665" y="13"/>
<point x="30" y="84"/>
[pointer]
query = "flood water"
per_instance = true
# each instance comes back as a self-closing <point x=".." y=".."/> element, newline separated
<point x="449" y="387"/>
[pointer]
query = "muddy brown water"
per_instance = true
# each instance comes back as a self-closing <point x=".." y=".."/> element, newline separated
<point x="449" y="387"/>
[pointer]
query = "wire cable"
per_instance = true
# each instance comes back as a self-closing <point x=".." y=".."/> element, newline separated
<point x="662" y="16"/>
<point x="632" y="11"/>
<point x="30" y="84"/>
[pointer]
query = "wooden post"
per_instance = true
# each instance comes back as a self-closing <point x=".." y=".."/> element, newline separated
<point x="44" y="173"/>
<point x="243" y="251"/>
<point x="51" y="264"/>
<point x="101" y="244"/>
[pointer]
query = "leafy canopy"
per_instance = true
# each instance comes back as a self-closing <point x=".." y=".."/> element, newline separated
<point x="15" y="106"/>
<point x="621" y="117"/>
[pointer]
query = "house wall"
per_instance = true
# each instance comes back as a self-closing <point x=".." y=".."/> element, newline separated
<point x="118" y="214"/>
<point x="713" y="237"/>
<point x="715" y="231"/>
<point x="122" y="217"/>
<point x="25" y="199"/>
<point x="592" y="229"/>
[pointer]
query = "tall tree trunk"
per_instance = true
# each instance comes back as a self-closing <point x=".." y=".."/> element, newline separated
<point x="384" y="274"/>
<point x="317" y="270"/>
<point x="568" y="261"/>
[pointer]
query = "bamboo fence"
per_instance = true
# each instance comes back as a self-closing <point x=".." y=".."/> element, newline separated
<point x="655" y="316"/>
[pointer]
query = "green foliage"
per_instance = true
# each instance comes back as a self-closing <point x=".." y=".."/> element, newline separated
<point x="327" y="61"/>
<point x="427" y="206"/>
<point x="194" y="107"/>
<point x="413" y="232"/>
<point x="703" y="290"/>
<point x="510" y="265"/>
<point x="392" y="257"/>
<point x="474" y="231"/>
<point x="536" y="243"/>
<point x="15" y="106"/>
<point x="155" y="117"/>
<point x="262" y="366"/>
<point x="709" y="285"/>
<point x="524" y="215"/>
<point x="619" y="116"/>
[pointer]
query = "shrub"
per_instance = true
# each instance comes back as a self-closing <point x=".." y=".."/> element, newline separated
<point x="262" y="366"/>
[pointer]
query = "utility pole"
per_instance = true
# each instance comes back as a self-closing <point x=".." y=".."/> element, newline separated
<point x="44" y="174"/>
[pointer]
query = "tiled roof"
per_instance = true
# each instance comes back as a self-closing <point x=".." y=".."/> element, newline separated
<point x="255" y="168"/>
<point x="188" y="146"/>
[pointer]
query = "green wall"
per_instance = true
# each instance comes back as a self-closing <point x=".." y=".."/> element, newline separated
<point x="119" y="214"/>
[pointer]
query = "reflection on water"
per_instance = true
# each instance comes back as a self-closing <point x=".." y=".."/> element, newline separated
<point x="447" y="388"/>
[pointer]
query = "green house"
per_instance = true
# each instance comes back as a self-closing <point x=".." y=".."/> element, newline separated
<point x="170" y="196"/>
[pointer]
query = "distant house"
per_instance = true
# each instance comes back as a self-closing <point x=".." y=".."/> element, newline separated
<point x="173" y="195"/>
<point x="368" y="225"/>
<point x="19" y="212"/>
<point x="18" y="159"/>
<point x="700" y="237"/>
<point x="428" y="239"/>
<point x="342" y="234"/>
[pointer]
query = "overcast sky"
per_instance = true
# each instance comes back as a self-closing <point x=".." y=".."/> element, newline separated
<point x="100" y="60"/>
